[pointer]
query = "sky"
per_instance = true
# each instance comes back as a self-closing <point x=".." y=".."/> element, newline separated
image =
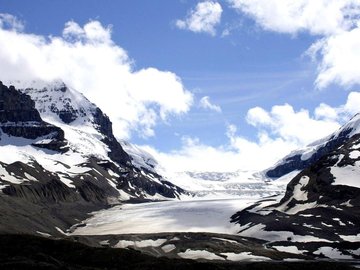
<point x="201" y="85"/>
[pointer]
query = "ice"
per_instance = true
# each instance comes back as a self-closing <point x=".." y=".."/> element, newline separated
<point x="244" y="256"/>
<point x="169" y="216"/>
<point x="199" y="254"/>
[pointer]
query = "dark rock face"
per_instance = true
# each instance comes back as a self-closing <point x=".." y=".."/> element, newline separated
<point x="104" y="125"/>
<point x="16" y="107"/>
<point x="19" y="118"/>
<point x="295" y="162"/>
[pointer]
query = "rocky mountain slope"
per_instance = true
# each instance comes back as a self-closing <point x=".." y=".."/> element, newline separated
<point x="320" y="211"/>
<point x="302" y="158"/>
<point x="60" y="160"/>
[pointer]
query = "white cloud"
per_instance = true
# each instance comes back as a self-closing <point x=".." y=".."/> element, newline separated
<point x="206" y="104"/>
<point x="341" y="113"/>
<point x="203" y="19"/>
<point x="279" y="131"/>
<point x="320" y="17"/>
<point x="297" y="127"/>
<point x="87" y="59"/>
<point x="335" y="22"/>
<point x="10" y="22"/>
<point x="339" y="58"/>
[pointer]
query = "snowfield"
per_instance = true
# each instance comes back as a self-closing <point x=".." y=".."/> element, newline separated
<point x="168" y="216"/>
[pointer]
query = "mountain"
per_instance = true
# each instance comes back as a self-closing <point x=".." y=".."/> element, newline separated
<point x="320" y="211"/>
<point x="61" y="160"/>
<point x="302" y="158"/>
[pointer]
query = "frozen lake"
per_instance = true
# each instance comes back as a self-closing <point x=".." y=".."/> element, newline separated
<point x="169" y="216"/>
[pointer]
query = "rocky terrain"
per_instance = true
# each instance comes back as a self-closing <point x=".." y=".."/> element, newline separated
<point x="319" y="213"/>
<point x="61" y="162"/>
<point x="54" y="172"/>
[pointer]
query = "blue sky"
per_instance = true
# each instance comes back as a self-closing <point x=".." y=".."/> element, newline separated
<point x="232" y="67"/>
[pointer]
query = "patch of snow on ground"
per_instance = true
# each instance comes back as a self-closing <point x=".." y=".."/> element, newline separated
<point x="43" y="234"/>
<point x="332" y="253"/>
<point x="244" y="256"/>
<point x="124" y="244"/>
<point x="168" y="216"/>
<point x="140" y="244"/>
<point x="348" y="175"/>
<point x="355" y="154"/>
<point x="351" y="238"/>
<point x="289" y="249"/>
<point x="299" y="194"/>
<point x="199" y="254"/>
<point x="355" y="252"/>
<point x="168" y="248"/>
<point x="258" y="231"/>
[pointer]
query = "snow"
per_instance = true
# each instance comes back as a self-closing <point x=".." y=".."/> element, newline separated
<point x="30" y="177"/>
<point x="354" y="154"/>
<point x="168" y="248"/>
<point x="289" y="249"/>
<point x="348" y="175"/>
<point x="355" y="252"/>
<point x="340" y="222"/>
<point x="140" y="244"/>
<point x="168" y="216"/>
<point x="300" y="207"/>
<point x="8" y="177"/>
<point x="140" y="158"/>
<point x="351" y="238"/>
<point x="299" y="194"/>
<point x="43" y="234"/>
<point x="199" y="254"/>
<point x="244" y="256"/>
<point x="332" y="253"/>
<point x="258" y="231"/>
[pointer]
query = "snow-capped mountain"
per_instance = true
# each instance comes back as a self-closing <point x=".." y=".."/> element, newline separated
<point x="59" y="152"/>
<point x="321" y="206"/>
<point x="302" y="158"/>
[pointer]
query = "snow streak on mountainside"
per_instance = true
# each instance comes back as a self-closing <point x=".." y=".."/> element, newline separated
<point x="321" y="206"/>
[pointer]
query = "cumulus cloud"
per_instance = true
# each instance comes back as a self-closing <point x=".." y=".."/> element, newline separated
<point x="335" y="22"/>
<point x="203" y="19"/>
<point x="207" y="105"/>
<point x="338" y="57"/>
<point x="279" y="130"/>
<point x="87" y="59"/>
<point x="320" y="17"/>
